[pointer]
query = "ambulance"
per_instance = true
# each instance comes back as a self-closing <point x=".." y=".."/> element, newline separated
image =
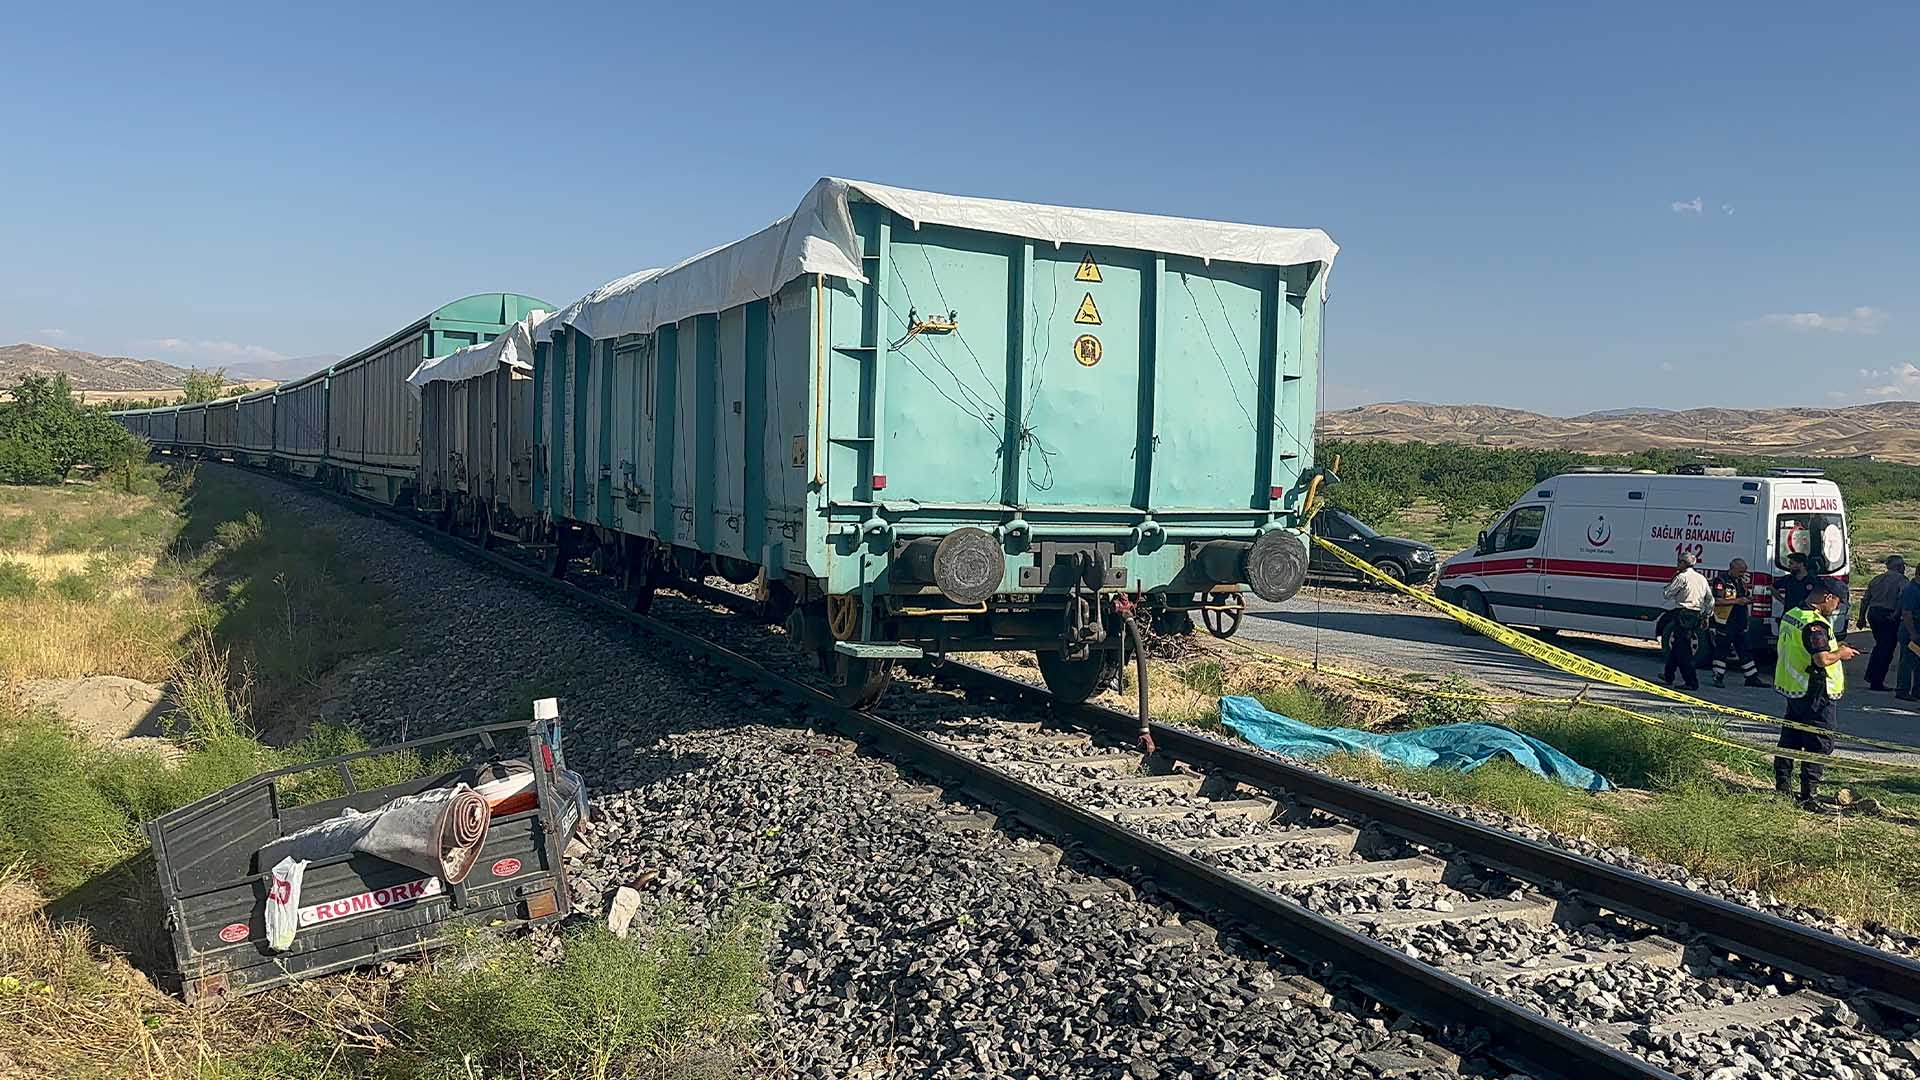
<point x="1594" y="550"/>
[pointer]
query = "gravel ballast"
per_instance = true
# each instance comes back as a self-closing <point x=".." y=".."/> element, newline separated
<point x="914" y="936"/>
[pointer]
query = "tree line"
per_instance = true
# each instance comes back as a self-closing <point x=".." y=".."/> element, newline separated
<point x="1380" y="479"/>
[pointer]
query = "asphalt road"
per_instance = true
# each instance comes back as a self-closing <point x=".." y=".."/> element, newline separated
<point x="1366" y="635"/>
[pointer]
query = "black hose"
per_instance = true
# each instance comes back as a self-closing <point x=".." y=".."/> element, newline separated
<point x="1140" y="683"/>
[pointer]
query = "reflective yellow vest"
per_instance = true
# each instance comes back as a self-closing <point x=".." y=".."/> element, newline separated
<point x="1791" y="672"/>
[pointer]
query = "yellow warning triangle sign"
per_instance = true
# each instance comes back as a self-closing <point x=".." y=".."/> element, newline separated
<point x="1088" y="314"/>
<point x="1088" y="270"/>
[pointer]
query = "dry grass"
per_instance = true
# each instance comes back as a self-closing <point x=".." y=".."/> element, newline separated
<point x="91" y="588"/>
<point x="71" y="1008"/>
<point x="52" y="637"/>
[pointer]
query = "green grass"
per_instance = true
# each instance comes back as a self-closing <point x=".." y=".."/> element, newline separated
<point x="287" y="600"/>
<point x="609" y="1007"/>
<point x="1861" y="867"/>
<point x="1633" y="754"/>
<point x="69" y="811"/>
<point x="1301" y="702"/>
<point x="1685" y="800"/>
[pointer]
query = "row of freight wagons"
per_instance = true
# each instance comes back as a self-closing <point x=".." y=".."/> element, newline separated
<point x="354" y="416"/>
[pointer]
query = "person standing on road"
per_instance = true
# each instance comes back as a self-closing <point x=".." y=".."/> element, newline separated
<point x="1727" y="631"/>
<point x="1811" y="673"/>
<point x="1689" y="603"/>
<point x="1907" y="686"/>
<point x="1793" y="588"/>
<point x="1880" y="612"/>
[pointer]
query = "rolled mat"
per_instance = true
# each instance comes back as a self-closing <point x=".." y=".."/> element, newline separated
<point x="439" y="831"/>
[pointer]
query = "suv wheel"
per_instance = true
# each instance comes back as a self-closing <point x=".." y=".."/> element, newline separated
<point x="1393" y="568"/>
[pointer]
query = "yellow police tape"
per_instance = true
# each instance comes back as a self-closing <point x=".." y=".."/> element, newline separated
<point x="1575" y="664"/>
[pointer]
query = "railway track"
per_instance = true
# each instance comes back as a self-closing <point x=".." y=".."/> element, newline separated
<point x="1551" y="963"/>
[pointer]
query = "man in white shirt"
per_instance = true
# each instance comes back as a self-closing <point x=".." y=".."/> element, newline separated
<point x="1689" y="604"/>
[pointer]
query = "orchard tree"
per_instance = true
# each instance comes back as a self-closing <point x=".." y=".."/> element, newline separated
<point x="45" y="434"/>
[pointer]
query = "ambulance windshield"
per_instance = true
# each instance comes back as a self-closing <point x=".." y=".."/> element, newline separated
<point x="1822" y="538"/>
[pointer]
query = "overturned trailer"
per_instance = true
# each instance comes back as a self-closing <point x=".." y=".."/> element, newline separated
<point x="215" y="860"/>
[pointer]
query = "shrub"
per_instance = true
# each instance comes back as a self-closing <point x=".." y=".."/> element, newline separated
<point x="607" y="1007"/>
<point x="16" y="581"/>
<point x="77" y="586"/>
<point x="1429" y="711"/>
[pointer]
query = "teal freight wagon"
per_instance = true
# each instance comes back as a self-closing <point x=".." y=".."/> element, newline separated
<point x="928" y="424"/>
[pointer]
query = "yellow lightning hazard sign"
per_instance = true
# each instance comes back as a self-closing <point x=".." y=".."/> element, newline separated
<point x="1088" y="271"/>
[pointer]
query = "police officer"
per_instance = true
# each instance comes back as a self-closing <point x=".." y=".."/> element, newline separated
<point x="1811" y="675"/>
<point x="1793" y="588"/>
<point x="1727" y="629"/>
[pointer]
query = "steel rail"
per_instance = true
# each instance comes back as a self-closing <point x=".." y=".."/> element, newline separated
<point x="1887" y="978"/>
<point x="1517" y="1036"/>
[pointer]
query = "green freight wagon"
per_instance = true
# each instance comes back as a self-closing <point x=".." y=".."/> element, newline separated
<point x="373" y="419"/>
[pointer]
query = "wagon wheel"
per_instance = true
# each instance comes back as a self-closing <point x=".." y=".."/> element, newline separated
<point x="1223" y="621"/>
<point x="638" y="581"/>
<point x="483" y="527"/>
<point x="1074" y="681"/>
<point x="856" y="682"/>
<point x="776" y="601"/>
<point x="553" y="561"/>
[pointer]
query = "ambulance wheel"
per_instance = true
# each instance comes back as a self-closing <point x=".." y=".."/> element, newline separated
<point x="1476" y="603"/>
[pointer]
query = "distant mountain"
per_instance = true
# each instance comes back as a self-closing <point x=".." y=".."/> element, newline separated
<point x="285" y="369"/>
<point x="1887" y="431"/>
<point x="1620" y="414"/>
<point x="86" y="370"/>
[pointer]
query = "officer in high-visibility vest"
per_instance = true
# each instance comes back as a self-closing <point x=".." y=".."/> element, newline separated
<point x="1811" y="674"/>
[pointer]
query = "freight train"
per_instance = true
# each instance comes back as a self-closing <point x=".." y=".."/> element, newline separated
<point x="916" y="424"/>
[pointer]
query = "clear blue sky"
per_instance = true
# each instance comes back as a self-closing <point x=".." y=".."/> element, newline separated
<point x="1514" y="187"/>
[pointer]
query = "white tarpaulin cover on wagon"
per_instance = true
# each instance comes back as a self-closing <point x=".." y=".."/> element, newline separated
<point x="514" y="348"/>
<point x="818" y="238"/>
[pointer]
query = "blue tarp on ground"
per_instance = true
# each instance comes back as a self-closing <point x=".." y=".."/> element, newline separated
<point x="1449" y="746"/>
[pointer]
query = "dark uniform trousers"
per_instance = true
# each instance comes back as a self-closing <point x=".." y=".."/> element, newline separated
<point x="1683" y="630"/>
<point x="1885" y="624"/>
<point x="1815" y="710"/>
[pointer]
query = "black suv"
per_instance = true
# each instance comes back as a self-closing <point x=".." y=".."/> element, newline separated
<point x="1408" y="560"/>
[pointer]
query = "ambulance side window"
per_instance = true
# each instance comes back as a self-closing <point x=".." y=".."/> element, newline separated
<point x="1520" y="531"/>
